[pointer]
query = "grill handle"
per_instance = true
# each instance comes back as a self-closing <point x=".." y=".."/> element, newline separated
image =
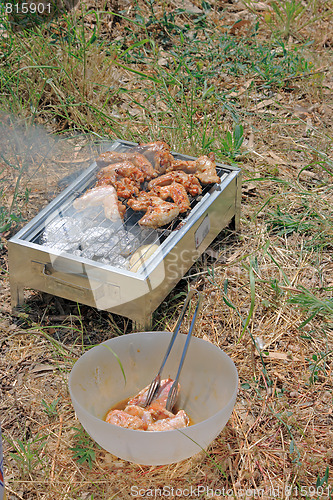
<point x="88" y="285"/>
<point x="77" y="286"/>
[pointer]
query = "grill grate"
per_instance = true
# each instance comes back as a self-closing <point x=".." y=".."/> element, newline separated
<point x="91" y="235"/>
<point x="51" y="253"/>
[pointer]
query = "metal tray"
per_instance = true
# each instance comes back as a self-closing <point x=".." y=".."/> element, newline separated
<point x="133" y="288"/>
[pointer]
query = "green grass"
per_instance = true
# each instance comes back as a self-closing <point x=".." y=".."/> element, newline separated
<point x="84" y="449"/>
<point x="313" y="222"/>
<point x="287" y="18"/>
<point x="201" y="53"/>
<point x="179" y="78"/>
<point x="74" y="78"/>
<point x="68" y="78"/>
<point x="27" y="454"/>
<point x="313" y="305"/>
<point x="51" y="408"/>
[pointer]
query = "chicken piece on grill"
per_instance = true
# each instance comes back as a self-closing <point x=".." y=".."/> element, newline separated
<point x="189" y="181"/>
<point x="144" y="165"/>
<point x="123" y="169"/>
<point x="109" y="208"/>
<point x="124" y="186"/>
<point x="138" y="160"/>
<point x="104" y="196"/>
<point x="158" y="212"/>
<point x="158" y="153"/>
<point x="204" y="168"/>
<point x="125" y="177"/>
<point x="176" y="192"/>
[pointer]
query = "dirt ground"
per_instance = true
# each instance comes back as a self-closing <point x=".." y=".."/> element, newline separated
<point x="267" y="303"/>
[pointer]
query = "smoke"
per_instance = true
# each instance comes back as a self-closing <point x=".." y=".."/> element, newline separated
<point x="35" y="164"/>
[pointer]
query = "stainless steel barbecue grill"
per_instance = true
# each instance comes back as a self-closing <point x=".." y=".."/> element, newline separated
<point x="117" y="266"/>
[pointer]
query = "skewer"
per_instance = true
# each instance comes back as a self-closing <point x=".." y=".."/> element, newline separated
<point x="156" y="383"/>
<point x="173" y="391"/>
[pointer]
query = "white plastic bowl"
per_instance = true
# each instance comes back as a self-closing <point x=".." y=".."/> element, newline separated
<point x="208" y="381"/>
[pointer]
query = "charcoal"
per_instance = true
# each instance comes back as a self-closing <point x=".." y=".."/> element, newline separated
<point x="62" y="234"/>
<point x="82" y="237"/>
<point x="97" y="235"/>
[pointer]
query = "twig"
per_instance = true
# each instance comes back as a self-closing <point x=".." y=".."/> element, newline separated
<point x="73" y="161"/>
<point x="56" y="449"/>
<point x="13" y="492"/>
<point x="33" y="331"/>
<point x="232" y="475"/>
<point x="319" y="70"/>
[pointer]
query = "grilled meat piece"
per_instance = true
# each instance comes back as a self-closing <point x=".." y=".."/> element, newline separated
<point x="158" y="212"/>
<point x="158" y="154"/>
<point x="204" y="168"/>
<point x="121" y="209"/>
<point x="125" y="187"/>
<point x="101" y="196"/>
<point x="125" y="177"/>
<point x="187" y="166"/>
<point x="123" y="169"/>
<point x="144" y="164"/>
<point x="176" y="192"/>
<point x="138" y="160"/>
<point x="189" y="181"/>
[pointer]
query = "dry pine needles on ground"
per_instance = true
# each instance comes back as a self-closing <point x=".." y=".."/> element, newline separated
<point x="268" y="289"/>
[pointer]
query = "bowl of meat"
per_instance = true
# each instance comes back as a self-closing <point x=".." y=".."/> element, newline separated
<point x="109" y="384"/>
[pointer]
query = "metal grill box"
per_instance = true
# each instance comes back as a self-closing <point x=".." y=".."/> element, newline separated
<point x="132" y="269"/>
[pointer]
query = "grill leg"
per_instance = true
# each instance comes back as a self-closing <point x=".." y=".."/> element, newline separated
<point x="17" y="295"/>
<point x="234" y="224"/>
<point x="143" y="324"/>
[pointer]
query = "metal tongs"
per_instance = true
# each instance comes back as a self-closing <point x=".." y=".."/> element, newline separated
<point x="155" y="384"/>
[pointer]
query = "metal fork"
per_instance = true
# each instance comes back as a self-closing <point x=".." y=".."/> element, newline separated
<point x="156" y="383"/>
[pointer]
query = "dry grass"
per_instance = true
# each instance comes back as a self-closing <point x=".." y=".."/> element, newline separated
<point x="280" y="433"/>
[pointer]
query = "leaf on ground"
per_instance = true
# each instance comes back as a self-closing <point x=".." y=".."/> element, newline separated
<point x="249" y="188"/>
<point x="266" y="102"/>
<point x="239" y="26"/>
<point x="278" y="159"/>
<point x="278" y="356"/>
<point x="241" y="89"/>
<point x="261" y="6"/>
